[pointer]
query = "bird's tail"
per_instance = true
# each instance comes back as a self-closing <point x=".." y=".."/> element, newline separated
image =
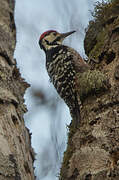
<point x="75" y="114"/>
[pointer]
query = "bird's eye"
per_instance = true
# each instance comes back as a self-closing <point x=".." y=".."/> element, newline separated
<point x="58" y="38"/>
<point x="54" y="33"/>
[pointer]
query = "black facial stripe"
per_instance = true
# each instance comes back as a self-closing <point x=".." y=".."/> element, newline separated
<point x="52" y="43"/>
<point x="48" y="43"/>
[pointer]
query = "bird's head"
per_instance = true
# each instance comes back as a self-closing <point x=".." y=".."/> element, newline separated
<point x="51" y="39"/>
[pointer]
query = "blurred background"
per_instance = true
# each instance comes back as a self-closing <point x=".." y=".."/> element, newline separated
<point x="47" y="116"/>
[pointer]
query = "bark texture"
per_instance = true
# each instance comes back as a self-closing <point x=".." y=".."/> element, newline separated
<point x="93" y="148"/>
<point x="16" y="154"/>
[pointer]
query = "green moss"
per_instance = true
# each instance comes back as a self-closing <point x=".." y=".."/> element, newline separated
<point x="98" y="48"/>
<point x="98" y="31"/>
<point x="104" y="10"/>
<point x="91" y="83"/>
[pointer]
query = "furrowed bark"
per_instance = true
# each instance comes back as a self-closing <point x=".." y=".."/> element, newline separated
<point x="16" y="153"/>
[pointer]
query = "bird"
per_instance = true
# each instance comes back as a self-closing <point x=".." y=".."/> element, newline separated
<point x="62" y="64"/>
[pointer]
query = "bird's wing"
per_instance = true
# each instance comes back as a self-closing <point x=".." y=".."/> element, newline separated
<point x="79" y="63"/>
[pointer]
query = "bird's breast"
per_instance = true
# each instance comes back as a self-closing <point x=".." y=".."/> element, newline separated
<point x="61" y="72"/>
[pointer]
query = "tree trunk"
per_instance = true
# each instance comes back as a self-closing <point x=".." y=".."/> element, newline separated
<point x="93" y="148"/>
<point x="16" y="154"/>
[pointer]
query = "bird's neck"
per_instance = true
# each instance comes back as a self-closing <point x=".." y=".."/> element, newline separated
<point x="54" y="51"/>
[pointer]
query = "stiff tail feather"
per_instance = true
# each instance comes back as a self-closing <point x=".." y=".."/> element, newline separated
<point x="75" y="114"/>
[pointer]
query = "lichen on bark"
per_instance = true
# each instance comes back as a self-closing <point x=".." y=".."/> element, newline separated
<point x="91" y="82"/>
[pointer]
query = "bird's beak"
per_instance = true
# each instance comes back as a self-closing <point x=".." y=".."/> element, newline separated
<point x="64" y="35"/>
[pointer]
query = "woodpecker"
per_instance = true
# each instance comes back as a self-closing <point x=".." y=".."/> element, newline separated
<point x="62" y="64"/>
